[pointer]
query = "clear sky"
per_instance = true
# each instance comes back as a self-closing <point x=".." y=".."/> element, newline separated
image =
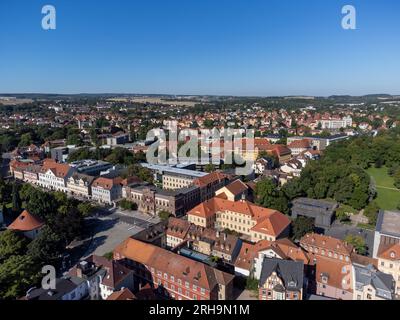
<point x="221" y="47"/>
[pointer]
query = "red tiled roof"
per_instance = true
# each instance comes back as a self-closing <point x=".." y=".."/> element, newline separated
<point x="26" y="222"/>
<point x="166" y="261"/>
<point x="59" y="169"/>
<point x="389" y="252"/>
<point x="269" y="221"/>
<point x="237" y="187"/>
<point x="123" y="294"/>
<point x="327" y="243"/>
<point x="300" y="144"/>
<point x="210" y="178"/>
<point x="106" y="183"/>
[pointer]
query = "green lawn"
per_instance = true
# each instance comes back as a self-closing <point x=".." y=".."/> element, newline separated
<point x="388" y="195"/>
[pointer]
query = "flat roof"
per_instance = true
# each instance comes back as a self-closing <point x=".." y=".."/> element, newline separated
<point x="170" y="169"/>
<point x="389" y="222"/>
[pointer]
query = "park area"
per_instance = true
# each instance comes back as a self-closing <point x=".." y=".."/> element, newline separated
<point x="388" y="197"/>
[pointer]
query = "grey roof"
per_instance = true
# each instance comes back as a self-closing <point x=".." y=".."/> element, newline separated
<point x="316" y="297"/>
<point x="320" y="205"/>
<point x="389" y="223"/>
<point x="368" y="275"/>
<point x="291" y="272"/>
<point x="175" y="171"/>
<point x="163" y="192"/>
<point x="84" y="177"/>
<point x="63" y="287"/>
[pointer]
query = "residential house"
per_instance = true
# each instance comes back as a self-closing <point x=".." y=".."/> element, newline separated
<point x="281" y="280"/>
<point x="79" y="184"/>
<point x="107" y="189"/>
<point x="103" y="276"/>
<point x="26" y="223"/>
<point x="205" y="241"/>
<point x="235" y="191"/>
<point x="371" y="284"/>
<point x="67" y="289"/>
<point x="299" y="146"/>
<point x="333" y="266"/>
<point x="122" y="295"/>
<point x="389" y="262"/>
<point x="54" y="176"/>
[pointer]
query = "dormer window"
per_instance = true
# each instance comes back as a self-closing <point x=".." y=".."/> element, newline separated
<point x="392" y="255"/>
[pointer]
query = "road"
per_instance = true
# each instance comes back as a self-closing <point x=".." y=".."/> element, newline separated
<point x="109" y="227"/>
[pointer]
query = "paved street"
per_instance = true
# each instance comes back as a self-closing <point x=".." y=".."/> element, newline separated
<point x="109" y="228"/>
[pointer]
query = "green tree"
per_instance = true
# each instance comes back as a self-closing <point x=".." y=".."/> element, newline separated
<point x="16" y="201"/>
<point x="164" y="215"/>
<point x="301" y="226"/>
<point x="17" y="274"/>
<point x="47" y="247"/>
<point x="358" y="243"/>
<point x="85" y="209"/>
<point x="26" y="140"/>
<point x="11" y="244"/>
<point x="371" y="212"/>
<point x="74" y="139"/>
<point x="269" y="196"/>
<point x="209" y="168"/>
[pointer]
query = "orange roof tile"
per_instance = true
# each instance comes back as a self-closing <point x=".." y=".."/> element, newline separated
<point x="106" y="183"/>
<point x="123" y="294"/>
<point x="170" y="263"/>
<point x="327" y="243"/>
<point x="389" y="252"/>
<point x="269" y="221"/>
<point x="26" y="222"/>
<point x="210" y="178"/>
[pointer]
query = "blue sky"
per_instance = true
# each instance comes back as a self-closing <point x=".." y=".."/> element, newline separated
<point x="221" y="47"/>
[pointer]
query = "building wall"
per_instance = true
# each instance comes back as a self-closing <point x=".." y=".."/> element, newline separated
<point x="106" y="196"/>
<point x="79" y="188"/>
<point x="266" y="291"/>
<point x="333" y="292"/>
<point x="172" y="182"/>
<point x="202" y="222"/>
<point x="235" y="221"/>
<point x="368" y="292"/>
<point x="393" y="268"/>
<point x="78" y="293"/>
<point x="168" y="284"/>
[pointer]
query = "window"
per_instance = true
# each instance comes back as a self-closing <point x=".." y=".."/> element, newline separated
<point x="203" y="291"/>
<point x="186" y="284"/>
<point x="172" y="278"/>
